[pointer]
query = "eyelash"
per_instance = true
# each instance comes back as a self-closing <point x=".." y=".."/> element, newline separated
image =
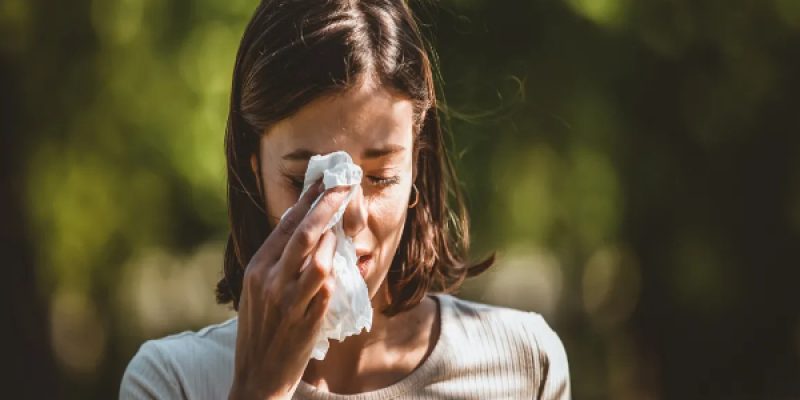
<point x="376" y="180"/>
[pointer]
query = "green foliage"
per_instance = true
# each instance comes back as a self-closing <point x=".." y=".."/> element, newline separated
<point x="638" y="158"/>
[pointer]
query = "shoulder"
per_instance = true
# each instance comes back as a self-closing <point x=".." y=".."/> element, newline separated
<point x="530" y="324"/>
<point x="520" y="324"/>
<point x="169" y="367"/>
<point x="529" y="338"/>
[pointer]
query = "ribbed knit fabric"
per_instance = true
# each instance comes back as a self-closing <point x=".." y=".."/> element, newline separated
<point x="483" y="352"/>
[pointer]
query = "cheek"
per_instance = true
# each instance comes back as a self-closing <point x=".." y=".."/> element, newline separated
<point x="278" y="197"/>
<point x="388" y="217"/>
<point x="386" y="220"/>
<point x="390" y="203"/>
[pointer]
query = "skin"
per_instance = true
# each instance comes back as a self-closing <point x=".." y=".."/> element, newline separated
<point x="285" y="296"/>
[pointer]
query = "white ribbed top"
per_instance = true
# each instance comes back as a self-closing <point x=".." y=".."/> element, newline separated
<point x="483" y="352"/>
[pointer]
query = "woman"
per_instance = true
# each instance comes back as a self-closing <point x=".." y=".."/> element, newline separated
<point x="313" y="77"/>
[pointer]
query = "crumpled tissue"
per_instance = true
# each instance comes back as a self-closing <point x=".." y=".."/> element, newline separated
<point x="349" y="309"/>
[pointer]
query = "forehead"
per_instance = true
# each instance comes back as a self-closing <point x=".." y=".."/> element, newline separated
<point x="359" y="117"/>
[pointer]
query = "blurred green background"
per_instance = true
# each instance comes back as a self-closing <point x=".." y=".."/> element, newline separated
<point x="635" y="163"/>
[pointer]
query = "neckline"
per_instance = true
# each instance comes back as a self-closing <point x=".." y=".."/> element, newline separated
<point x="418" y="375"/>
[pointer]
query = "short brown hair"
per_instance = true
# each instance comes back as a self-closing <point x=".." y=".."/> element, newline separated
<point x="295" y="51"/>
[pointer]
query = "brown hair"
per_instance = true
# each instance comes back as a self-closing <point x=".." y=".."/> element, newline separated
<point x="295" y="51"/>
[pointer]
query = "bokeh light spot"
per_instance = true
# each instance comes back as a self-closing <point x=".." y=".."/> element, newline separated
<point x="611" y="285"/>
<point x="528" y="279"/>
<point x="78" y="336"/>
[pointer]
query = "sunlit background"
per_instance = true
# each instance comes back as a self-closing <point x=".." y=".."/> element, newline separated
<point x="636" y="164"/>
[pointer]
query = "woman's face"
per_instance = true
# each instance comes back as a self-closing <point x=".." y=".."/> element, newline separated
<point x="374" y="126"/>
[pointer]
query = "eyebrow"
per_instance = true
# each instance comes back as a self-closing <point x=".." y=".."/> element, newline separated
<point x="369" y="154"/>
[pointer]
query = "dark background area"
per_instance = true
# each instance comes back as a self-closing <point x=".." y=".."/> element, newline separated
<point x="636" y="164"/>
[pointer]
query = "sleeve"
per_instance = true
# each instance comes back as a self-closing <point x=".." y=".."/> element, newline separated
<point x="149" y="375"/>
<point x="554" y="384"/>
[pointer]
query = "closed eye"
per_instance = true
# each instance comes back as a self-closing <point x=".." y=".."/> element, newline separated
<point x="384" y="181"/>
<point x="380" y="181"/>
<point x="296" y="182"/>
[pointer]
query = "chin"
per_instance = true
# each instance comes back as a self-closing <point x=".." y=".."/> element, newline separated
<point x="377" y="287"/>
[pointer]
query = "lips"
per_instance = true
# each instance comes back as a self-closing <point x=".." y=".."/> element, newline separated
<point x="363" y="264"/>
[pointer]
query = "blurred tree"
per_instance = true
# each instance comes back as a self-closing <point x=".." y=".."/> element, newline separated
<point x="636" y="163"/>
<point x="28" y="369"/>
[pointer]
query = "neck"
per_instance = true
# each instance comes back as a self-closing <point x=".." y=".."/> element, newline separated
<point x="389" y="351"/>
<point x="351" y="352"/>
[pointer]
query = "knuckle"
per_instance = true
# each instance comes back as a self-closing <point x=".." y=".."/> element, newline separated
<point x="250" y="278"/>
<point x="318" y="270"/>
<point x="322" y="259"/>
<point x="329" y="236"/>
<point x="325" y="291"/>
<point x="305" y="237"/>
<point x="289" y="222"/>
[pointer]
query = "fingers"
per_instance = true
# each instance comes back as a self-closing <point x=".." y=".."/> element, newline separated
<point x="308" y="233"/>
<point x="317" y="271"/>
<point x="319" y="303"/>
<point x="276" y="241"/>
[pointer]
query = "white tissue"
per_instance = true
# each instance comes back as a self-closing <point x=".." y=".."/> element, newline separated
<point x="349" y="309"/>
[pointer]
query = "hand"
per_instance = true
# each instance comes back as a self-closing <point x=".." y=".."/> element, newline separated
<point x="285" y="293"/>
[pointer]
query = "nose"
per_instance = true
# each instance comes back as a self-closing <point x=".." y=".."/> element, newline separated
<point x="354" y="219"/>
